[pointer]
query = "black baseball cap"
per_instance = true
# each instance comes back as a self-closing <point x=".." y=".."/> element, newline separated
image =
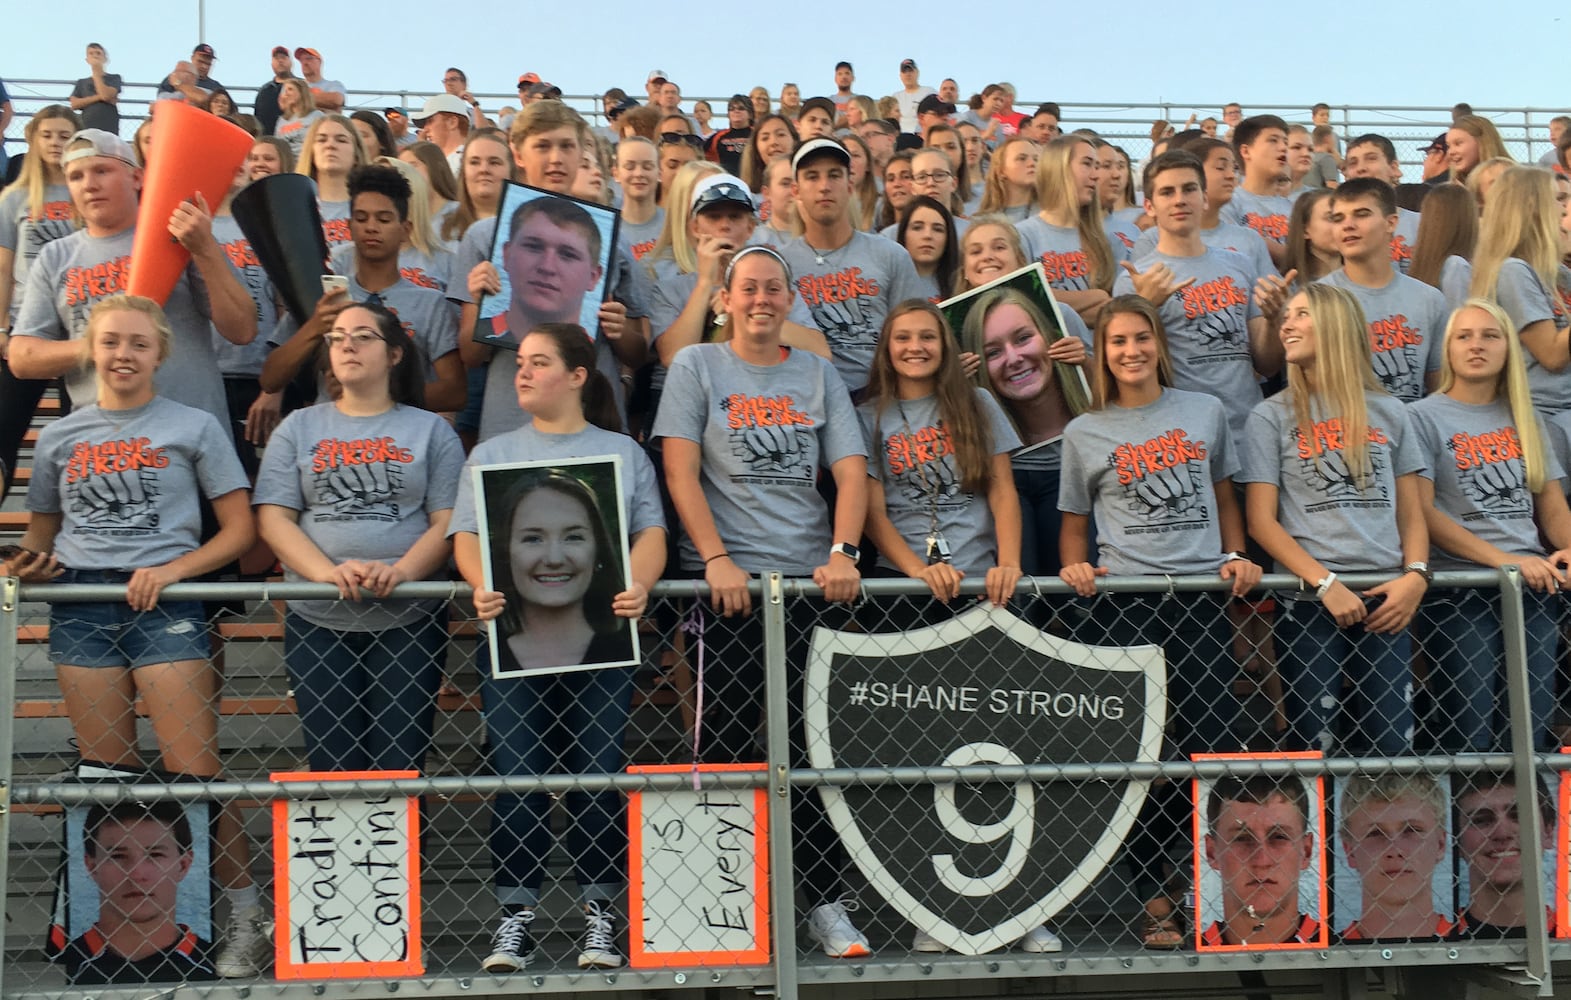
<point x="206" y="50"/>
<point x="933" y="104"/>
<point x="906" y="64"/>
<point x="823" y="104"/>
<point x="842" y="64"/>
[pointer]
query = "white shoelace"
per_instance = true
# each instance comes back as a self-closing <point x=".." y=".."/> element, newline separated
<point x="599" y="932"/>
<point x="510" y="935"/>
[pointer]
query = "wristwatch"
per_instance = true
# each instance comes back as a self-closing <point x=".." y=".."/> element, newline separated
<point x="1422" y="569"/>
<point x="846" y="549"/>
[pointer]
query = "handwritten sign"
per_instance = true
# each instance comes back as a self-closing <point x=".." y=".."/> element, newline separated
<point x="698" y="871"/>
<point x="347" y="883"/>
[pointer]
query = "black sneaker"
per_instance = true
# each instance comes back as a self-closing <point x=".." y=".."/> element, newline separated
<point x="512" y="947"/>
<point x="599" y="938"/>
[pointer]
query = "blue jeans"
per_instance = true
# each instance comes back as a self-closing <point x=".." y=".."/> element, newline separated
<point x="1039" y="522"/>
<point x="366" y="700"/>
<point x="568" y="723"/>
<point x="1462" y="635"/>
<point x="1315" y="656"/>
<point x="1197" y="640"/>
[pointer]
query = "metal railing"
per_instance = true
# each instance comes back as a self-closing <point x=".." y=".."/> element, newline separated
<point x="792" y="702"/>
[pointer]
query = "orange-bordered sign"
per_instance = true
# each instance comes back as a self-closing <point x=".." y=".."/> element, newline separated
<point x="346" y="878"/>
<point x="1275" y="851"/>
<point x="698" y="873"/>
<point x="1561" y="906"/>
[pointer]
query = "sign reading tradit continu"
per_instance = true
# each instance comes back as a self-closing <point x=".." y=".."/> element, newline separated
<point x="346" y="876"/>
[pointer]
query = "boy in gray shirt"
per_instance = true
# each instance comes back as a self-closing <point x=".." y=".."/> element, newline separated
<point x="1219" y="314"/>
<point x="73" y="273"/>
<point x="848" y="279"/>
<point x="1407" y="318"/>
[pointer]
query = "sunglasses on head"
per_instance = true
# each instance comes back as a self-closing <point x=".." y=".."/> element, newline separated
<point x="681" y="138"/>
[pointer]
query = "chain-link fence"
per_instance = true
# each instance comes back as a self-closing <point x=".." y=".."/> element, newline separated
<point x="1163" y="778"/>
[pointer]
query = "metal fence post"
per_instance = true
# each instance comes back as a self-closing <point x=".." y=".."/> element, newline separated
<point x="9" y="605"/>
<point x="777" y="725"/>
<point x="1523" y="754"/>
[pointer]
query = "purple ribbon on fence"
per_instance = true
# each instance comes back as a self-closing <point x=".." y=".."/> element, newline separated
<point x="693" y="625"/>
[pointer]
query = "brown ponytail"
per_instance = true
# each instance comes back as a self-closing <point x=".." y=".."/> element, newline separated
<point x="577" y="350"/>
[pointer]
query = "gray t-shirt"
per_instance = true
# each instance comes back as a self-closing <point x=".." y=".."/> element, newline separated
<point x="425" y="313"/>
<point x="1121" y="230"/>
<point x="1347" y="526"/>
<point x="499" y="412"/>
<point x="671" y="288"/>
<point x="365" y="488"/>
<point x="1474" y="458"/>
<point x="99" y="114"/>
<point x="1266" y="214"/>
<point x="765" y="431"/>
<point x="25" y="236"/>
<point x="1525" y="299"/>
<point x="1226" y="236"/>
<point x="640" y="491"/>
<point x="1456" y="277"/>
<point x="638" y="238"/>
<point x="1148" y="474"/>
<point x="1403" y="239"/>
<point x="1407" y="326"/>
<point x="421" y="269"/>
<point x="293" y="130"/>
<point x="335" y="223"/>
<point x="126" y="482"/>
<point x="1058" y="247"/>
<point x="74" y="272"/>
<point x="911" y="454"/>
<point x="850" y="293"/>
<point x="1207" y="327"/>
<point x="247" y="359"/>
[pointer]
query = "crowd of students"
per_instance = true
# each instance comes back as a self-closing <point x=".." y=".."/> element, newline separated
<point x="1267" y="382"/>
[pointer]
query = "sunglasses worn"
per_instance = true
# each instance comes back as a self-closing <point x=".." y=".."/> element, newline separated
<point x="681" y="138"/>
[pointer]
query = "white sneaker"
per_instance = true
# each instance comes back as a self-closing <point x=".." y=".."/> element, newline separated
<point x="247" y="940"/>
<point x="924" y="942"/>
<point x="512" y="946"/>
<point x="830" y="926"/>
<point x="599" y="938"/>
<point x="1041" y="941"/>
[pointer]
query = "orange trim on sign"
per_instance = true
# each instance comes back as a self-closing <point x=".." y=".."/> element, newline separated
<point x="639" y="957"/>
<point x="1314" y="926"/>
<point x="284" y="965"/>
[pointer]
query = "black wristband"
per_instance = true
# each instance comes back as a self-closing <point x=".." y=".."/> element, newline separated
<point x="723" y="555"/>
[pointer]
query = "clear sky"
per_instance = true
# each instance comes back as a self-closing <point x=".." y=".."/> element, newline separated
<point x="1138" y="52"/>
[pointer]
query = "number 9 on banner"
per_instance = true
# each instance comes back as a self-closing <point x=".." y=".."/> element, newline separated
<point x="1017" y="825"/>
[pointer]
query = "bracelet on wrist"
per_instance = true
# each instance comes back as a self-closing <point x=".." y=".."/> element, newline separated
<point x="722" y="555"/>
<point x="1325" y="585"/>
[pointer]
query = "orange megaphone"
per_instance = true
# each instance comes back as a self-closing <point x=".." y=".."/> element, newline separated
<point x="197" y="152"/>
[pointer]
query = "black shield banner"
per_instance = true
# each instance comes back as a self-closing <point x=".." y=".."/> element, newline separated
<point x="977" y="866"/>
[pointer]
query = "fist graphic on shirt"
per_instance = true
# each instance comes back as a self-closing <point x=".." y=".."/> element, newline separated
<point x="1495" y="486"/>
<point x="351" y="488"/>
<point x="118" y="499"/>
<point x="1163" y="493"/>
<point x="773" y="449"/>
<point x="1393" y="368"/>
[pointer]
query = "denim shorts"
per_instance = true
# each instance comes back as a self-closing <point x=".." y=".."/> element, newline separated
<point x="112" y="635"/>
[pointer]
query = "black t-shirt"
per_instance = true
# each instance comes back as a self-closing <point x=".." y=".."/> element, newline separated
<point x="726" y="147"/>
<point x="99" y="114"/>
<point x="266" y="108"/>
<point x="207" y="83"/>
<point x="90" y="962"/>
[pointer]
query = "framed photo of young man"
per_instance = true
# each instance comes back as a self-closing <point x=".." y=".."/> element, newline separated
<point x="554" y="544"/>
<point x="554" y="256"/>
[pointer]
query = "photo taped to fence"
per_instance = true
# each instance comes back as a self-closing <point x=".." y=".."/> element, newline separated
<point x="1260" y="859"/>
<point x="133" y="903"/>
